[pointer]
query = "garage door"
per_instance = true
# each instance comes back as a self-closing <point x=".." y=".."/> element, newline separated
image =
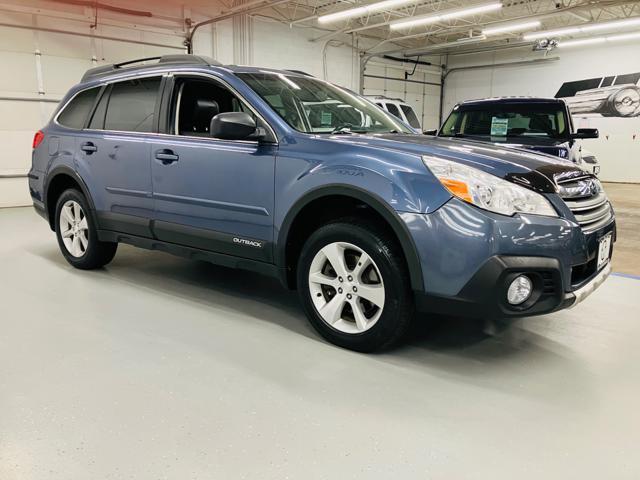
<point x="41" y="58"/>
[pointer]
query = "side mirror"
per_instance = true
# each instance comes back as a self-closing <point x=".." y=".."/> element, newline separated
<point x="432" y="132"/>
<point x="586" y="133"/>
<point x="235" y="126"/>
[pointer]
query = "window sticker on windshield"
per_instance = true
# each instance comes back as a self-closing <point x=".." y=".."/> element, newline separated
<point x="326" y="118"/>
<point x="499" y="127"/>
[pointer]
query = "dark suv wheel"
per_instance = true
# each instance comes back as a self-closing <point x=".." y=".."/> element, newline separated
<point x="77" y="234"/>
<point x="354" y="285"/>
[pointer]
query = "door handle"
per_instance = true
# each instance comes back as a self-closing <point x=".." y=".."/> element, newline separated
<point x="166" y="156"/>
<point x="88" y="147"/>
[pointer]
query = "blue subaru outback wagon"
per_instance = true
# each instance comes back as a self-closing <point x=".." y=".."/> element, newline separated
<point x="290" y="176"/>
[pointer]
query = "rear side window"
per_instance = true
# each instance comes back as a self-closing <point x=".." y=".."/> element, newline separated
<point x="76" y="112"/>
<point x="393" y="110"/>
<point x="132" y="105"/>
<point x="411" y="116"/>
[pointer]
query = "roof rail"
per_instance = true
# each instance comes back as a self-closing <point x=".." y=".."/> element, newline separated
<point x="300" y="72"/>
<point x="181" y="59"/>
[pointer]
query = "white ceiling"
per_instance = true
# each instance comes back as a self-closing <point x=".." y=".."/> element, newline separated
<point x="374" y="35"/>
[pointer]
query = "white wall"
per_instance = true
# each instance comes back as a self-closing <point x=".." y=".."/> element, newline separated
<point x="617" y="149"/>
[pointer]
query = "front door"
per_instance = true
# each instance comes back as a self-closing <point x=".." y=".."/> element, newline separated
<point x="211" y="194"/>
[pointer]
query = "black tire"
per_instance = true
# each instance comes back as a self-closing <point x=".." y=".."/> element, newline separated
<point x="97" y="253"/>
<point x="398" y="311"/>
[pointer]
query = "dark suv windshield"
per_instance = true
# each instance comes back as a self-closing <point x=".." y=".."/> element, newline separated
<point x="506" y="121"/>
<point x="313" y="106"/>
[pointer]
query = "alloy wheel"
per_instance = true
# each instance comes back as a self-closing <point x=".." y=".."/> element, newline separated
<point x="346" y="287"/>
<point x="74" y="228"/>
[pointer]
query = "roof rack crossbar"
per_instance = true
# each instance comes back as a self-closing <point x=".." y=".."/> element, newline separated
<point x="131" y="62"/>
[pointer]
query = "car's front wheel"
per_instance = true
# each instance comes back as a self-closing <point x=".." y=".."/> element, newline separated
<point x="354" y="285"/>
<point x="77" y="234"/>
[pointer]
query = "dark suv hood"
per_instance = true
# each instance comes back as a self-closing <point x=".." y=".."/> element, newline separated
<point x="531" y="169"/>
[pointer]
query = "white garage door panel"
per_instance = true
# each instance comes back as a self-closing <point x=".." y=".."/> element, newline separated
<point x="374" y="92"/>
<point x="111" y="51"/>
<point x="14" y="192"/>
<point x="18" y="72"/>
<point x="63" y="45"/>
<point x="23" y="116"/>
<point x="375" y="84"/>
<point x="16" y="151"/>
<point x="16" y="40"/>
<point x="415" y="88"/>
<point x="378" y="70"/>
<point x="61" y="73"/>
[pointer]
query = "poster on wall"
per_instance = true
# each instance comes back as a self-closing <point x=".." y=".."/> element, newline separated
<point x="613" y="96"/>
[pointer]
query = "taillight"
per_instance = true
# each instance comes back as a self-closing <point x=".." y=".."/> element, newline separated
<point x="37" y="139"/>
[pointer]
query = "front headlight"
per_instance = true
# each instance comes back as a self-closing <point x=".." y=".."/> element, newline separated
<point x="487" y="191"/>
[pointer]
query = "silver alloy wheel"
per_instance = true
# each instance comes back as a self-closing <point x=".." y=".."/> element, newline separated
<point x="346" y="287"/>
<point x="74" y="228"/>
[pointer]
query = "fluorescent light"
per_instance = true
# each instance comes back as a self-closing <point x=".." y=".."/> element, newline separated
<point x="512" y="27"/>
<point x="592" y="27"/>
<point x="363" y="10"/>
<point x="445" y="15"/>
<point x="599" y="40"/>
<point x="584" y="41"/>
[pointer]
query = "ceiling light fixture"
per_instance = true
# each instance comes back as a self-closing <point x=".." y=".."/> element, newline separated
<point x="363" y="10"/>
<point x="598" y="40"/>
<point x="512" y="27"/>
<point x="445" y="15"/>
<point x="592" y="27"/>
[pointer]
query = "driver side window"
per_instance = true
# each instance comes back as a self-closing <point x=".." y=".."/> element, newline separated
<point x="196" y="101"/>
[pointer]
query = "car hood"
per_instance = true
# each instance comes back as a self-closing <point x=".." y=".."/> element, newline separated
<point x="531" y="169"/>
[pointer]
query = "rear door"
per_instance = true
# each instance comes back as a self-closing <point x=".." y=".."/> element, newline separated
<point x="211" y="194"/>
<point x="113" y="154"/>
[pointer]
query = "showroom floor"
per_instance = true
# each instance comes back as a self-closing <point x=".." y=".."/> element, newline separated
<point x="159" y="367"/>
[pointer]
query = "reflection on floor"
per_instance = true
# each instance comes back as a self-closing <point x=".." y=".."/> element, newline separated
<point x="626" y="202"/>
<point x="159" y="367"/>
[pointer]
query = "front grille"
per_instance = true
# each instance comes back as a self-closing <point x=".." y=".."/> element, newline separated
<point x="587" y="201"/>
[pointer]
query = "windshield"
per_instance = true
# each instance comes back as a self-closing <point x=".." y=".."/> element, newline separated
<point x="506" y="121"/>
<point x="312" y="106"/>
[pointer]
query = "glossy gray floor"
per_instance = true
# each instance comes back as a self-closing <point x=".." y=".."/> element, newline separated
<point x="158" y="367"/>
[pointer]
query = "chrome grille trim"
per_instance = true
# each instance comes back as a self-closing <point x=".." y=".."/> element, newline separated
<point x="592" y="212"/>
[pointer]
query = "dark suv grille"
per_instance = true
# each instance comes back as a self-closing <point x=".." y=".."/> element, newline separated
<point x="586" y="200"/>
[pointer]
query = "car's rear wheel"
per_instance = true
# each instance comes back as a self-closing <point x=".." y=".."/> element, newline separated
<point x="354" y="285"/>
<point x="77" y="234"/>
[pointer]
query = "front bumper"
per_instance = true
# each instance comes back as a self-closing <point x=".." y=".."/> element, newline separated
<point x="574" y="298"/>
<point x="468" y="258"/>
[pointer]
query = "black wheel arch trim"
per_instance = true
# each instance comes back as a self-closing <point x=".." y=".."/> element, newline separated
<point x="70" y="172"/>
<point x="374" y="201"/>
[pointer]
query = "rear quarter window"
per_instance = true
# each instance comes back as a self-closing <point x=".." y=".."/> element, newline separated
<point x="75" y="114"/>
<point x="411" y="116"/>
<point x="132" y="105"/>
<point x="393" y="110"/>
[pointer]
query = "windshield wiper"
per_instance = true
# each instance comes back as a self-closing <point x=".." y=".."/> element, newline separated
<point x="342" y="129"/>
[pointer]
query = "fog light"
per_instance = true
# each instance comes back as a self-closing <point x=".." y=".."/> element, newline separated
<point x="519" y="290"/>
